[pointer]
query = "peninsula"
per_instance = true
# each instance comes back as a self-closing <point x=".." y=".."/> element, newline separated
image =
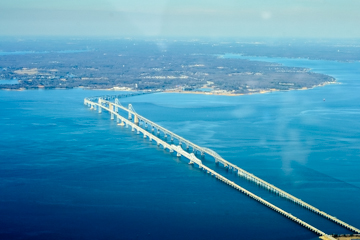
<point x="140" y="65"/>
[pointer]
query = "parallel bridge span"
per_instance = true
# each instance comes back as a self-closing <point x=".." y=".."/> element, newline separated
<point x="100" y="103"/>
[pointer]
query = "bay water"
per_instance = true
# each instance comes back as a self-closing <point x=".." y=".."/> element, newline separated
<point x="68" y="172"/>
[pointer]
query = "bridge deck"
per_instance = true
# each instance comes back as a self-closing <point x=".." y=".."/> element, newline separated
<point x="218" y="158"/>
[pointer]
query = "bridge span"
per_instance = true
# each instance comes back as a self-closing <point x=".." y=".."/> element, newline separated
<point x="99" y="103"/>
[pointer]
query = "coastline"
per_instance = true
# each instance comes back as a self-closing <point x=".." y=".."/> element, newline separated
<point x="217" y="92"/>
<point x="250" y="93"/>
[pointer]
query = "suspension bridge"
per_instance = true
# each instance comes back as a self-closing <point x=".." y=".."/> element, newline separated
<point x="152" y="131"/>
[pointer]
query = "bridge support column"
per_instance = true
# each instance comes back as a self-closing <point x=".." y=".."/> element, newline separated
<point x="112" y="116"/>
<point x="129" y="117"/>
<point x="100" y="103"/>
<point x="117" y="103"/>
<point x="178" y="154"/>
<point x="136" y="120"/>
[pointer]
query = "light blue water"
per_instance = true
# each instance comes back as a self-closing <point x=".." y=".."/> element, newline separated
<point x="204" y="89"/>
<point x="69" y="172"/>
<point x="13" y="81"/>
<point x="40" y="52"/>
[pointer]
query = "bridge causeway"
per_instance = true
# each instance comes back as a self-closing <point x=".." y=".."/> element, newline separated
<point x="99" y="103"/>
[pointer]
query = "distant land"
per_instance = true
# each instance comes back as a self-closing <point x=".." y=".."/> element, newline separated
<point x="162" y="65"/>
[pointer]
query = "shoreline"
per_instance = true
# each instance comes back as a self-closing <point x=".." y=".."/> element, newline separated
<point x="182" y="92"/>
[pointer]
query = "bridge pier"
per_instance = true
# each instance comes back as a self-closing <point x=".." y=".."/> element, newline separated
<point x="100" y="104"/>
<point x="117" y="103"/>
<point x="129" y="115"/>
<point x="136" y="120"/>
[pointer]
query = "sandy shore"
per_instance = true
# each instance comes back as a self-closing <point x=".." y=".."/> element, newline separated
<point x="250" y="93"/>
<point x="255" y="91"/>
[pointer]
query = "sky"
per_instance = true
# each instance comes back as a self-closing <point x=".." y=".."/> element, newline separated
<point x="181" y="18"/>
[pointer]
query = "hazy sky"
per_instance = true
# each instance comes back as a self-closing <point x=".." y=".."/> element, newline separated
<point x="189" y="18"/>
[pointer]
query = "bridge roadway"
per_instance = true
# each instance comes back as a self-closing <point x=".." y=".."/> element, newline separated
<point x="241" y="172"/>
<point x="194" y="160"/>
<point x="113" y="109"/>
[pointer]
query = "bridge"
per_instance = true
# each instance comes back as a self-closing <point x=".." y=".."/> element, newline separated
<point x="135" y="120"/>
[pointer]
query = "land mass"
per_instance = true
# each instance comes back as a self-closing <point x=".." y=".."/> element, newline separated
<point x="148" y="66"/>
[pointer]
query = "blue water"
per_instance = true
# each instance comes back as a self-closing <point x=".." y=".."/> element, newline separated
<point x="13" y="81"/>
<point x="69" y="172"/>
<point x="204" y="89"/>
<point x="40" y="52"/>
